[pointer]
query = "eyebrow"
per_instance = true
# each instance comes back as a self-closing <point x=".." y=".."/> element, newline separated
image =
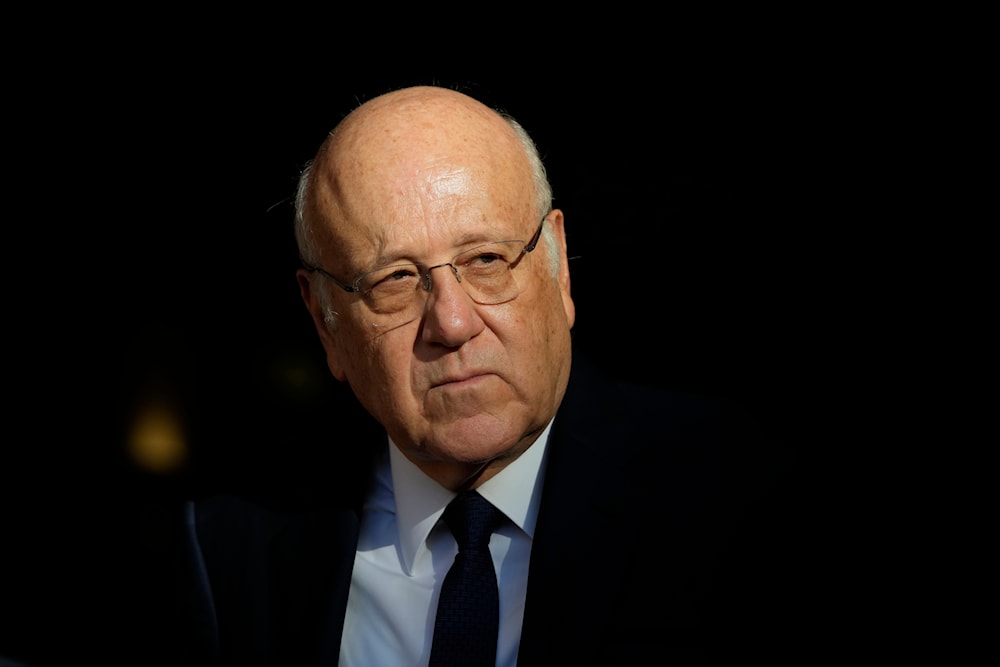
<point x="466" y="241"/>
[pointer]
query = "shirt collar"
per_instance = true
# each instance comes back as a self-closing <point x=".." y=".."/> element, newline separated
<point x="420" y="501"/>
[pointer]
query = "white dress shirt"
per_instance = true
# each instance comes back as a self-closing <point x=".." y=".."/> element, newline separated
<point x="404" y="554"/>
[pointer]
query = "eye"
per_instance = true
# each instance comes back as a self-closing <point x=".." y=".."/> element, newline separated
<point x="487" y="258"/>
<point x="488" y="255"/>
<point x="390" y="280"/>
<point x="399" y="274"/>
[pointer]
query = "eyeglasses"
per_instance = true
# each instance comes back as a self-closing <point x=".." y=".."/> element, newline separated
<point x="397" y="294"/>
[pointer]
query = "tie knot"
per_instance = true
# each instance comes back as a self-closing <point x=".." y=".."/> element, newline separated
<point x="472" y="520"/>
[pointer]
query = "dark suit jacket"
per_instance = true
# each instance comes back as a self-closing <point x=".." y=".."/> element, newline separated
<point x="660" y="534"/>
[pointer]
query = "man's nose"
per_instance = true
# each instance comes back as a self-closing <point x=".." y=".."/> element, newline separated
<point x="428" y="281"/>
<point x="450" y="314"/>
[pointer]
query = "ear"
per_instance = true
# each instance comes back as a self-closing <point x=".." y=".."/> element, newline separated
<point x="327" y="336"/>
<point x="556" y="221"/>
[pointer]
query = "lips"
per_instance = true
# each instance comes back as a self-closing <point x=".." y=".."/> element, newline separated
<point x="461" y="378"/>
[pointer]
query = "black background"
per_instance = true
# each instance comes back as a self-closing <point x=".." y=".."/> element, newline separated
<point x="696" y="217"/>
<point x="704" y="193"/>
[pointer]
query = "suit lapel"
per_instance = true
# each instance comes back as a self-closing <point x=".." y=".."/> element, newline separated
<point x="577" y="535"/>
<point x="313" y="558"/>
<point x="311" y="575"/>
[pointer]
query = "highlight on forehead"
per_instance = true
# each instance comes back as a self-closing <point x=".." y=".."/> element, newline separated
<point x="402" y="131"/>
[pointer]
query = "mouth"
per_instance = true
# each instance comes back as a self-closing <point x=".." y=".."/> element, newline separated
<point x="461" y="381"/>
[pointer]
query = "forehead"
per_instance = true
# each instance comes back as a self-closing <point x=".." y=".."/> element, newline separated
<point x="382" y="197"/>
<point x="435" y="238"/>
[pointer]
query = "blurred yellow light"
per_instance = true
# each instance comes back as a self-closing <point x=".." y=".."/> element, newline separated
<point x="156" y="441"/>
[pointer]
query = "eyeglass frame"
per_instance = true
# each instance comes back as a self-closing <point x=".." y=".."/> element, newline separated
<point x="426" y="275"/>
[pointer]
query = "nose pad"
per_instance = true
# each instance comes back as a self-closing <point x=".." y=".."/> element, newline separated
<point x="449" y="317"/>
<point x="427" y="275"/>
<point x="431" y="295"/>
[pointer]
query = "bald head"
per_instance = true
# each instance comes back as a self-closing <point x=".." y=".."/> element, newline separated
<point x="379" y="151"/>
<point x="411" y="192"/>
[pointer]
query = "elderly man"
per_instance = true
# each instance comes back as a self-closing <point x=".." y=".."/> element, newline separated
<point x="435" y="271"/>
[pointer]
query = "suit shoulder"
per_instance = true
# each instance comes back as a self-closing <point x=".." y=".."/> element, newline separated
<point x="596" y="391"/>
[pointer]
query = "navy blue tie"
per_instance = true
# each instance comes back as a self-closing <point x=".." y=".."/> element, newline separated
<point x="468" y="613"/>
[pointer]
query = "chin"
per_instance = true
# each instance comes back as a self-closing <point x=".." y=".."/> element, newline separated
<point x="479" y="439"/>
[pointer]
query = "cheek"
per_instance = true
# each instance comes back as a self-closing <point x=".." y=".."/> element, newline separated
<point x="379" y="366"/>
<point x="548" y="309"/>
<point x="531" y="330"/>
<point x="551" y="331"/>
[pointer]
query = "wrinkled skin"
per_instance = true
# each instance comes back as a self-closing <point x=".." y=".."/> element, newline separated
<point x="419" y="175"/>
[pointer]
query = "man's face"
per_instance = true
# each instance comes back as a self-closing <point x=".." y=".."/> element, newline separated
<point x="464" y="383"/>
